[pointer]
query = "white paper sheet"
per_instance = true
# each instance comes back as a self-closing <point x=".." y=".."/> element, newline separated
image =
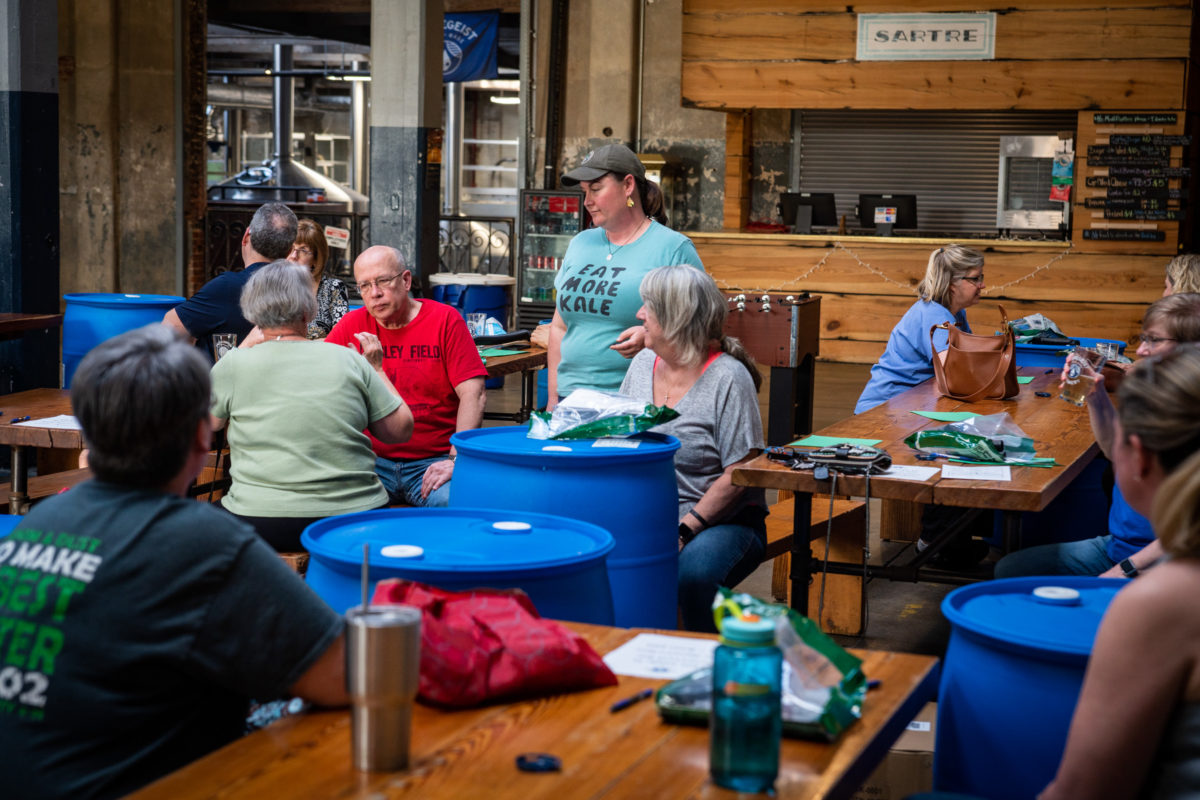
<point x="655" y="655"/>
<point x="909" y="472"/>
<point x="977" y="473"/>
<point x="63" y="422"/>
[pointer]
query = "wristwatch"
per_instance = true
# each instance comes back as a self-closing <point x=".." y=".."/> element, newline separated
<point x="1128" y="568"/>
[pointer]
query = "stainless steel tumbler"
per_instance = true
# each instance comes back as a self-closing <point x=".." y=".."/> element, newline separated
<point x="383" y="648"/>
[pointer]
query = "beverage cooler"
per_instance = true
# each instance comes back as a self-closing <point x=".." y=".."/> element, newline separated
<point x="548" y="221"/>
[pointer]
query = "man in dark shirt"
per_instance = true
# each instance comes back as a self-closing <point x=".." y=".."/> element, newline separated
<point x="215" y="309"/>
<point x="136" y="624"/>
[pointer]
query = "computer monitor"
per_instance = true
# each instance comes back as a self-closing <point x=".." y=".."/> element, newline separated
<point x="904" y="216"/>
<point x="824" y="210"/>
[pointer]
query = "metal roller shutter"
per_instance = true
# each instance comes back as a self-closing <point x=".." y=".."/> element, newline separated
<point x="949" y="159"/>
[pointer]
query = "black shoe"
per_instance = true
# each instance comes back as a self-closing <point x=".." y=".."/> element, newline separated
<point x="961" y="554"/>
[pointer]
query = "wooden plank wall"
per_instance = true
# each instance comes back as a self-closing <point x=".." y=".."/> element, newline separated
<point x="738" y="135"/>
<point x="1054" y="54"/>
<point x="867" y="283"/>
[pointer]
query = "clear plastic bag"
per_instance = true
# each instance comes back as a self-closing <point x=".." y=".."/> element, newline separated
<point x="589" y="414"/>
<point x="987" y="437"/>
<point x="823" y="685"/>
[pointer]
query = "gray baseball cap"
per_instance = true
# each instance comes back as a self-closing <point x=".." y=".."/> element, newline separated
<point x="610" y="158"/>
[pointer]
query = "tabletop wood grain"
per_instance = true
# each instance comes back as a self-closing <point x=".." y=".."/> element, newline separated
<point x="15" y="323"/>
<point x="532" y="358"/>
<point x="1058" y="429"/>
<point x="471" y="753"/>
<point x="36" y="404"/>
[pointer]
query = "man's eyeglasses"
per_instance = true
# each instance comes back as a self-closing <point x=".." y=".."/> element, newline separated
<point x="1152" y="340"/>
<point x="977" y="280"/>
<point x="382" y="283"/>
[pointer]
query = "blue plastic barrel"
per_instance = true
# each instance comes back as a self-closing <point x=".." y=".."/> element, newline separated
<point x="558" y="562"/>
<point x="1011" y="678"/>
<point x="92" y="318"/>
<point x="8" y="522"/>
<point x="626" y="486"/>
<point x="448" y="293"/>
<point x="472" y="293"/>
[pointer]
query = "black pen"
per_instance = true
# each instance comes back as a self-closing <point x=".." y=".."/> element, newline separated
<point x="621" y="705"/>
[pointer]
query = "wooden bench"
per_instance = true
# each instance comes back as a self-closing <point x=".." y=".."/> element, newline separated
<point x="42" y="486"/>
<point x="844" y="594"/>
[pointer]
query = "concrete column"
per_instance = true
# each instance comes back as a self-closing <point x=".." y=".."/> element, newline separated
<point x="120" y="116"/>
<point x="406" y="113"/>
<point x="29" y="187"/>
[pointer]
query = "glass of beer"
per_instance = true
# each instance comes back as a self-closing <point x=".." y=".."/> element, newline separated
<point x="1079" y="376"/>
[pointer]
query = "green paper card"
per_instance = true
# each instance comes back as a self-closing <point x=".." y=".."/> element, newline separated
<point x="947" y="416"/>
<point x="498" y="351"/>
<point x="1024" y="379"/>
<point x="829" y="441"/>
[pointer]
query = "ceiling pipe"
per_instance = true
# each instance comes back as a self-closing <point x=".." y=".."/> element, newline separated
<point x="231" y="95"/>
<point x="284" y="105"/>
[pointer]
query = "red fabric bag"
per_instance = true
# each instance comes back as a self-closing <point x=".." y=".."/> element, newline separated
<point x="491" y="644"/>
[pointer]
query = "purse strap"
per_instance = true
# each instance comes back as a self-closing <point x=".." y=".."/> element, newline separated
<point x="1007" y="353"/>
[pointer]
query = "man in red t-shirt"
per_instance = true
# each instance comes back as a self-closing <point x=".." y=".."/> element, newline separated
<point x="424" y="348"/>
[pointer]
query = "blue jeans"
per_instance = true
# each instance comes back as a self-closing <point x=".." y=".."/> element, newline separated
<point x="402" y="479"/>
<point x="1085" y="557"/>
<point x="723" y="555"/>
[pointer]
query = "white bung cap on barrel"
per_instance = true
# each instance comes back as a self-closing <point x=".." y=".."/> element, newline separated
<point x="1057" y="595"/>
<point x="402" y="551"/>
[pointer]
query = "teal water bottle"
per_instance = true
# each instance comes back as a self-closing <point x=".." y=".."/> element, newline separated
<point x="745" y="726"/>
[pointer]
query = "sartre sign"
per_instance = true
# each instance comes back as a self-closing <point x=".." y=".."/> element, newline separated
<point x="926" y="37"/>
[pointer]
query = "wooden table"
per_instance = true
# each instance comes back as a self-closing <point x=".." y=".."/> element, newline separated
<point x="527" y="363"/>
<point x="36" y="404"/>
<point x="463" y="754"/>
<point x="14" y="324"/>
<point x="1058" y="428"/>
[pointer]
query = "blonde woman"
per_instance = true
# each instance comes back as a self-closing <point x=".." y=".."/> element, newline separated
<point x="1183" y="275"/>
<point x="1136" y="729"/>
<point x="953" y="283"/>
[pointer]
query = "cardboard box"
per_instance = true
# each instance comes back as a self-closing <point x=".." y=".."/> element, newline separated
<point x="908" y="767"/>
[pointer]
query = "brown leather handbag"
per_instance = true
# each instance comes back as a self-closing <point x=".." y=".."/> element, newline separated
<point x="977" y="367"/>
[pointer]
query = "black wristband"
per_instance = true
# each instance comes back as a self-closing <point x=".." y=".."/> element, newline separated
<point x="686" y="534"/>
<point x="703" y="521"/>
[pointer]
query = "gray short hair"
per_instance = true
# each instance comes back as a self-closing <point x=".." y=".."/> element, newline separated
<point x="272" y="231"/>
<point x="691" y="311"/>
<point x="279" y="295"/>
<point x="945" y="265"/>
<point x="139" y="398"/>
<point x="1179" y="314"/>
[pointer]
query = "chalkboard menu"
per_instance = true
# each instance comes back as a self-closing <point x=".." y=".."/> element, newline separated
<point x="1132" y="178"/>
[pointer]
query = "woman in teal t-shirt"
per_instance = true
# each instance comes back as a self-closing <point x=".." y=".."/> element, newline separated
<point x="595" y="331"/>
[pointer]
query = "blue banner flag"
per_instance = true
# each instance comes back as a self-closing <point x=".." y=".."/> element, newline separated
<point x="469" y="46"/>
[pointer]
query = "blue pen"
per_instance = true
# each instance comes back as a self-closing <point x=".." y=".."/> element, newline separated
<point x="621" y="705"/>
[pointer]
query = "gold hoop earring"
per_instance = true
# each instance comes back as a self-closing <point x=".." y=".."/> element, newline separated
<point x="629" y="202"/>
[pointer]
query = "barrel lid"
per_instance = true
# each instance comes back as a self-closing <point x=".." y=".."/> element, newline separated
<point x="118" y="299"/>
<point x="512" y="443"/>
<point x="1050" y="614"/>
<point x="460" y="540"/>
<point x="471" y="278"/>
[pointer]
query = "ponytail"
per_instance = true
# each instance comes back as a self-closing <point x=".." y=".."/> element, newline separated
<point x="652" y="200"/>
<point x="732" y="346"/>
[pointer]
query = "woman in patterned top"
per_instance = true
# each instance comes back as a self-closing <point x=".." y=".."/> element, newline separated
<point x="333" y="299"/>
